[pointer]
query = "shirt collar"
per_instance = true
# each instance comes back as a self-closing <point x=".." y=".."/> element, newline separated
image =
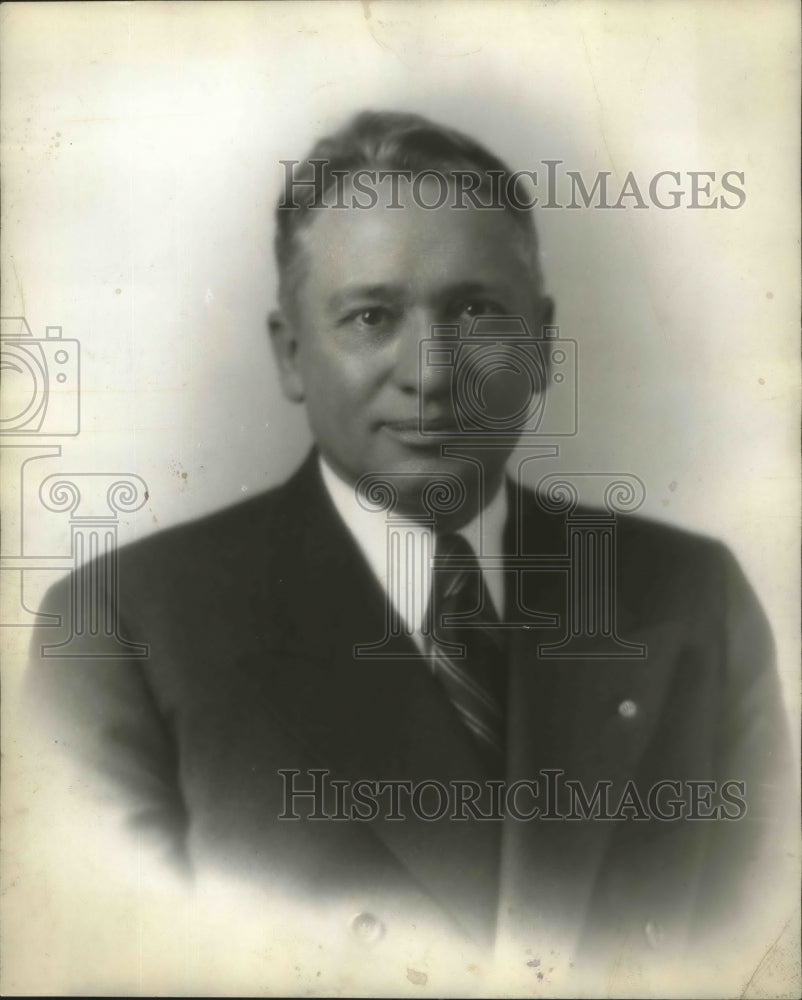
<point x="484" y="533"/>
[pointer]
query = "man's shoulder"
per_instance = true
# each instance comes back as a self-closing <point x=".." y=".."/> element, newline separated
<point x="208" y="574"/>
<point x="649" y="537"/>
<point x="263" y="525"/>
<point x="660" y="569"/>
<point x="636" y="536"/>
<point x="217" y="528"/>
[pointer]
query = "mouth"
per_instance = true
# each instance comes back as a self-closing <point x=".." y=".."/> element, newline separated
<point x="416" y="433"/>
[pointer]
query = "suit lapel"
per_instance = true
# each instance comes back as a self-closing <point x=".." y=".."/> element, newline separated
<point x="373" y="718"/>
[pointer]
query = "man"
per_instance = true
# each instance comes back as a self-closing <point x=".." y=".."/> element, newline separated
<point x="298" y="661"/>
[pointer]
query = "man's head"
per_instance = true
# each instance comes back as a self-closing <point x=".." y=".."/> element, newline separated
<point x="370" y="263"/>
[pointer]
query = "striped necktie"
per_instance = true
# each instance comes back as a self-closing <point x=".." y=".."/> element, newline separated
<point x="469" y="660"/>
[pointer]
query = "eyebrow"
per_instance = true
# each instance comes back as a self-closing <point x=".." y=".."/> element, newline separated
<point x="395" y="292"/>
<point x="492" y="289"/>
<point x="360" y="292"/>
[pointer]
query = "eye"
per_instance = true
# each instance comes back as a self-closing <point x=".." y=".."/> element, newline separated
<point x="372" y="318"/>
<point x="471" y="308"/>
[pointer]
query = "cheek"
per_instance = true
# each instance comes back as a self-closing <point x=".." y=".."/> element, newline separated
<point x="343" y="374"/>
<point x="327" y="379"/>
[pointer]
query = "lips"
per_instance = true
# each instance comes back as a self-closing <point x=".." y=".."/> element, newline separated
<point x="440" y="425"/>
<point x="419" y="433"/>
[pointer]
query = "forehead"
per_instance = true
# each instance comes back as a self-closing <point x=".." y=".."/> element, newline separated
<point x="421" y="250"/>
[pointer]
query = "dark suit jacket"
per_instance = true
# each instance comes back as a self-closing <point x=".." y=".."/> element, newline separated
<point x="251" y="616"/>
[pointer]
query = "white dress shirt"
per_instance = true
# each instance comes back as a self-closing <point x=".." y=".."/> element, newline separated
<point x="410" y="595"/>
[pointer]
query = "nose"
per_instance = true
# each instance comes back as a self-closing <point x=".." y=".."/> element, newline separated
<point x="411" y="373"/>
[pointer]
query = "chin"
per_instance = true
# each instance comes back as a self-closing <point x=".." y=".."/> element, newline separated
<point x="431" y="482"/>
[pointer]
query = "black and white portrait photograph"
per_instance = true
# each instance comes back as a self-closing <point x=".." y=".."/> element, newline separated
<point x="400" y="472"/>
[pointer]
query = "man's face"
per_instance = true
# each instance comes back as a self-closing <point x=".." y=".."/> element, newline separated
<point x="375" y="282"/>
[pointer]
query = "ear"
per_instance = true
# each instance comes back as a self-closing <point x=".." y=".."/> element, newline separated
<point x="545" y="308"/>
<point x="546" y="311"/>
<point x="284" y="339"/>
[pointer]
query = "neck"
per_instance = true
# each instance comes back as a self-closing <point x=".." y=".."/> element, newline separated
<point x="429" y="497"/>
<point x="430" y="500"/>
